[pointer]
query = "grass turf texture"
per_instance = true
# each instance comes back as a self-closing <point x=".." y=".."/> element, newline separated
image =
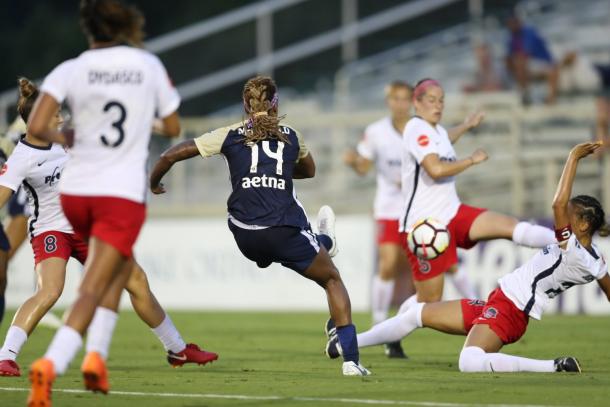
<point x="280" y="354"/>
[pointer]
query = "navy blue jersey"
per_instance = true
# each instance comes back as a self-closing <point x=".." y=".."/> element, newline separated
<point x="261" y="175"/>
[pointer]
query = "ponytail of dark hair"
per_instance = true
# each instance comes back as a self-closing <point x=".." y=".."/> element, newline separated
<point x="112" y="21"/>
<point x="261" y="103"/>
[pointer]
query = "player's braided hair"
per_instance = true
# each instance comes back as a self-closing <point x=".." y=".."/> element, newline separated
<point x="590" y="210"/>
<point x="261" y="104"/>
<point x="28" y="92"/>
<point x="112" y="21"/>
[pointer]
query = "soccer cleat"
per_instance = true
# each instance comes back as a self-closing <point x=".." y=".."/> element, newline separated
<point x="354" y="369"/>
<point x="42" y="375"/>
<point x="9" y="368"/>
<point x="326" y="226"/>
<point x="333" y="347"/>
<point x="95" y="374"/>
<point x="567" y="364"/>
<point x="329" y="328"/>
<point x="191" y="354"/>
<point x="50" y="320"/>
<point x="394" y="351"/>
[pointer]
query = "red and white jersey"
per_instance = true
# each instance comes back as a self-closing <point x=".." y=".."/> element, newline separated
<point x="549" y="273"/>
<point x="39" y="170"/>
<point x="424" y="196"/>
<point x="382" y="144"/>
<point x="114" y="94"/>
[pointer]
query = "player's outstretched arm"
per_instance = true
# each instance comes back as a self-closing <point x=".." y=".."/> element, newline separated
<point x="470" y="122"/>
<point x="38" y="124"/>
<point x="181" y="151"/>
<point x="438" y="169"/>
<point x="5" y="195"/>
<point x="564" y="188"/>
<point x="357" y="162"/>
<point x="304" y="168"/>
<point x="604" y="284"/>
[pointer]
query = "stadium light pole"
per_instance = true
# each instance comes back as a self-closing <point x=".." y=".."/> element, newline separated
<point x="349" y="43"/>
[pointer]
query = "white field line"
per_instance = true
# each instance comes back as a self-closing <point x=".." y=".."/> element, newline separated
<point x="282" y="398"/>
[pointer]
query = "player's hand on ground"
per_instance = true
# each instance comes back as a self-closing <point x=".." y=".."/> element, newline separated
<point x="350" y="156"/>
<point x="474" y="119"/>
<point x="584" y="149"/>
<point x="158" y="190"/>
<point x="479" y="156"/>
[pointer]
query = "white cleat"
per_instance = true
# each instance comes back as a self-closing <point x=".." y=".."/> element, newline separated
<point x="50" y="320"/>
<point x="326" y="226"/>
<point x="354" y="369"/>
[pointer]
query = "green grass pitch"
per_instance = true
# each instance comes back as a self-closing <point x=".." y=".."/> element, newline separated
<point x="276" y="359"/>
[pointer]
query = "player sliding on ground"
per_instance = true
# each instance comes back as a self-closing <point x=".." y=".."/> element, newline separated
<point x="268" y="222"/>
<point x="523" y="294"/>
<point x="429" y="167"/>
<point x="38" y="165"/>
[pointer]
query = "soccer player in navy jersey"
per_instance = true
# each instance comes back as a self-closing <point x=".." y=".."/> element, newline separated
<point x="268" y="222"/>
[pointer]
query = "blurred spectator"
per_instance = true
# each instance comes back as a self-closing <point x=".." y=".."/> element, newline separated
<point x="487" y="78"/>
<point x="602" y="130"/>
<point x="529" y="59"/>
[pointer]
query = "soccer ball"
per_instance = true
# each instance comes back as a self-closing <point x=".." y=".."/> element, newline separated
<point x="428" y="239"/>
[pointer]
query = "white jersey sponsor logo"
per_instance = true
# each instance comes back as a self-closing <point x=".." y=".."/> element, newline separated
<point x="39" y="169"/>
<point x="382" y="144"/>
<point x="425" y="197"/>
<point x="549" y="273"/>
<point x="114" y="94"/>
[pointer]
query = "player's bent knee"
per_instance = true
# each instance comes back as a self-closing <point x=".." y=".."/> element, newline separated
<point x="472" y="359"/>
<point x="48" y="297"/>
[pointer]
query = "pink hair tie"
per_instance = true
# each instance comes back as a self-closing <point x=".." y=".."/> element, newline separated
<point x="422" y="87"/>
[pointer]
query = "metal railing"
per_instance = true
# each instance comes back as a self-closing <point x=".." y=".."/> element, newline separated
<point x="527" y="149"/>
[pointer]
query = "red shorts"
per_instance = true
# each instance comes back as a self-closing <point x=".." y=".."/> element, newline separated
<point x="471" y="310"/>
<point x="116" y="221"/>
<point x="58" y="244"/>
<point x="387" y="231"/>
<point x="458" y="228"/>
<point x="503" y="317"/>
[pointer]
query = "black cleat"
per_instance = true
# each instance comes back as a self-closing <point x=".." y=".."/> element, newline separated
<point x="567" y="364"/>
<point x="329" y="328"/>
<point x="394" y="351"/>
<point x="333" y="347"/>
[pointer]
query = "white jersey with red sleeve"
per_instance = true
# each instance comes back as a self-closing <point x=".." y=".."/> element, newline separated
<point x="114" y="94"/>
<point x="39" y="170"/>
<point x="382" y="144"/>
<point x="426" y="197"/>
<point x="549" y="273"/>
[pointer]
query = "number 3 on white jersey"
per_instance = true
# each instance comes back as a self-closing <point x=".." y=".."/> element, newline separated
<point x="277" y="155"/>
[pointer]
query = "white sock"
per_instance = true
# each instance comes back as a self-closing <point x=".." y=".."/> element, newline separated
<point x="461" y="282"/>
<point x="64" y="347"/>
<point x="169" y="336"/>
<point x="474" y="359"/>
<point x="393" y="329"/>
<point x="15" y="338"/>
<point x="101" y="329"/>
<point x="381" y="298"/>
<point x="529" y="235"/>
<point x="409" y="302"/>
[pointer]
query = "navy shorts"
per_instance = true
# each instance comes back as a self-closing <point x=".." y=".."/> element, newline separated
<point x="5" y="246"/>
<point x="17" y="205"/>
<point x="292" y="247"/>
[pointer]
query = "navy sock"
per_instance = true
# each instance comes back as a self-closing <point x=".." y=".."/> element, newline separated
<point x="326" y="241"/>
<point x="1" y="308"/>
<point x="349" y="342"/>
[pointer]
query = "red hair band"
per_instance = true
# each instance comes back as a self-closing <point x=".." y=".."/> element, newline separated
<point x="421" y="88"/>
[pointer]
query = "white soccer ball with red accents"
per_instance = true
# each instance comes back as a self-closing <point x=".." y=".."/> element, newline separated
<point x="428" y="239"/>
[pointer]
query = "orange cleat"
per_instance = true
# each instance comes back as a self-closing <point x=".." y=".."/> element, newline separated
<point x="95" y="374"/>
<point x="42" y="375"/>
